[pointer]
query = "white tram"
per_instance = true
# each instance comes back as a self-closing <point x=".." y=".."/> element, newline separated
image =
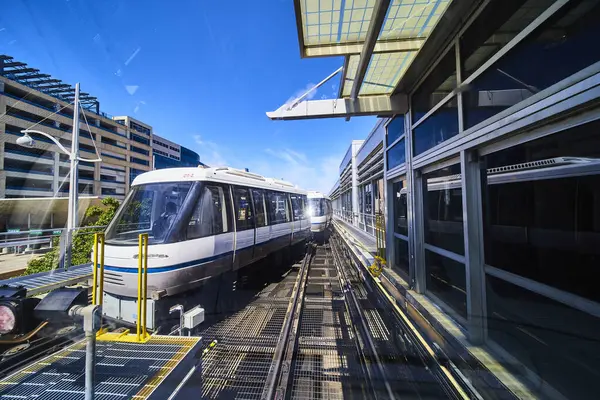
<point x="320" y="210"/>
<point x="201" y="223"/>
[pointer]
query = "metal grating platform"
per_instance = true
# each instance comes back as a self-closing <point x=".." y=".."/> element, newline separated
<point x="123" y="370"/>
<point x="239" y="365"/>
<point x="327" y="364"/>
<point x="47" y="281"/>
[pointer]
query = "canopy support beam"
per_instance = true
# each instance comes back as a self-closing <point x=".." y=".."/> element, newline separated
<point x="343" y="108"/>
<point x="377" y="18"/>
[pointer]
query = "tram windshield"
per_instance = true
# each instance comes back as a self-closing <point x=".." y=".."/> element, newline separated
<point x="151" y="209"/>
<point x="316" y="207"/>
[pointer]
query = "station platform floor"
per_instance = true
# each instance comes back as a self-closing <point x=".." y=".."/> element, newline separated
<point x="490" y="371"/>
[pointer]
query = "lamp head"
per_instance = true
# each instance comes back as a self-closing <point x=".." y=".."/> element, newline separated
<point x="25" y="140"/>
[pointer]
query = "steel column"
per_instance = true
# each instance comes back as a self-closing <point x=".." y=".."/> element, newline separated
<point x="474" y="245"/>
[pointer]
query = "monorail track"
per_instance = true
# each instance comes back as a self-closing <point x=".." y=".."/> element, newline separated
<point x="319" y="333"/>
<point x="320" y="330"/>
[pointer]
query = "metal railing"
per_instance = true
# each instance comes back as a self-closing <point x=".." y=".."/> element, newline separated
<point x="20" y="240"/>
<point x="141" y="335"/>
<point x="373" y="224"/>
<point x="364" y="221"/>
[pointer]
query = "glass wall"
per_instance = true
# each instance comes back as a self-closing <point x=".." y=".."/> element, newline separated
<point x="395" y="129"/>
<point x="396" y="155"/>
<point x="444" y="237"/>
<point x="531" y="66"/>
<point x="437" y="128"/>
<point x="443" y="123"/>
<point x="542" y="250"/>
<point x="399" y="224"/>
<point x="540" y="200"/>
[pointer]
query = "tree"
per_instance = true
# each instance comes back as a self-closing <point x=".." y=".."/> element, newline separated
<point x="83" y="240"/>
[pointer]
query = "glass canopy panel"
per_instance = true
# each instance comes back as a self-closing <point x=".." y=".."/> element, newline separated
<point x="320" y="21"/>
<point x="355" y="20"/>
<point x="408" y="19"/>
<point x="384" y="71"/>
<point x="350" y="75"/>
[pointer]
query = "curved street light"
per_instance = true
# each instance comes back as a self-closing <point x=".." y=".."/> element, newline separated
<point x="28" y="141"/>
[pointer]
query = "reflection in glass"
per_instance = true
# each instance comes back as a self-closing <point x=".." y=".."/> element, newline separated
<point x="396" y="155"/>
<point x="437" y="128"/>
<point x="442" y="207"/>
<point x="553" y="235"/>
<point x="316" y="207"/>
<point x="395" y="129"/>
<point x="209" y="216"/>
<point x="436" y="86"/>
<point x="556" y="342"/>
<point x="401" y="257"/>
<point x="569" y="36"/>
<point x="498" y="24"/>
<point x="446" y="279"/>
<point x="400" y="208"/>
<point x="152" y="209"/>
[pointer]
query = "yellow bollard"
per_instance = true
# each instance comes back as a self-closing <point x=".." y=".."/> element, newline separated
<point x="95" y="269"/>
<point x="101" y="291"/>
<point x="139" y="297"/>
<point x="145" y="298"/>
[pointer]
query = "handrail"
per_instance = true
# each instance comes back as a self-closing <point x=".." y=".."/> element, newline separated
<point x="98" y="288"/>
<point x="142" y="286"/>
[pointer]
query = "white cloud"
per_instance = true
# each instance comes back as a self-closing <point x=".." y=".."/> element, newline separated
<point x="300" y="92"/>
<point x="210" y="152"/>
<point x="310" y="174"/>
<point x="282" y="163"/>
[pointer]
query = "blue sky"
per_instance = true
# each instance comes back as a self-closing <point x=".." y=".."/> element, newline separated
<point x="202" y="73"/>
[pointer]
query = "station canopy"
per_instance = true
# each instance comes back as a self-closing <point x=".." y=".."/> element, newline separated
<point x="378" y="40"/>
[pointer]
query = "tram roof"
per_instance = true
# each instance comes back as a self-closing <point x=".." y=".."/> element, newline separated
<point x="217" y="174"/>
<point x="317" y="195"/>
<point x="379" y="41"/>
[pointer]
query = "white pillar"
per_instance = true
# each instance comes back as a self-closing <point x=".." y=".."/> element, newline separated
<point x="74" y="181"/>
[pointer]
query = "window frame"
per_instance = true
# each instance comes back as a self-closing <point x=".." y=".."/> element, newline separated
<point x="272" y="219"/>
<point x="250" y="224"/>
<point x="226" y="222"/>
<point x="264" y="207"/>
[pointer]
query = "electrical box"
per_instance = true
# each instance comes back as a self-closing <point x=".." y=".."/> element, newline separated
<point x="125" y="309"/>
<point x="194" y="317"/>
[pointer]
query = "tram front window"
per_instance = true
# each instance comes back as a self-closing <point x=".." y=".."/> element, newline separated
<point x="151" y="209"/>
<point x="316" y="207"/>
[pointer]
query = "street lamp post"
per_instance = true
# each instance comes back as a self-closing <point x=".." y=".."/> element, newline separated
<point x="73" y="182"/>
<point x="74" y="158"/>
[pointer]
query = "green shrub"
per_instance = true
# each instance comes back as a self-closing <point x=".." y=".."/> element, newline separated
<point x="83" y="240"/>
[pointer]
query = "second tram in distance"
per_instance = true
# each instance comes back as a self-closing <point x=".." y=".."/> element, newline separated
<point x="320" y="211"/>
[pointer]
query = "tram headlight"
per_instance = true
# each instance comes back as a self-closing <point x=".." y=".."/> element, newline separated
<point x="16" y="310"/>
<point x="8" y="319"/>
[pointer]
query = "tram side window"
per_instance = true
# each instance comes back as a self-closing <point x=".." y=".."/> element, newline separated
<point x="278" y="208"/>
<point x="304" y="205"/>
<point x="260" y="207"/>
<point x="243" y="209"/>
<point x="209" y="217"/>
<point x="296" y="206"/>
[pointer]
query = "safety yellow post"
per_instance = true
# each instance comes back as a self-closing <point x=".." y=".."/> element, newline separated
<point x="95" y="269"/>
<point x="139" y="297"/>
<point x="101" y="288"/>
<point x="145" y="298"/>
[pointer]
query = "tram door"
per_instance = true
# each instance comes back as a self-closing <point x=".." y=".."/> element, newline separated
<point x="261" y="235"/>
<point x="244" y="227"/>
